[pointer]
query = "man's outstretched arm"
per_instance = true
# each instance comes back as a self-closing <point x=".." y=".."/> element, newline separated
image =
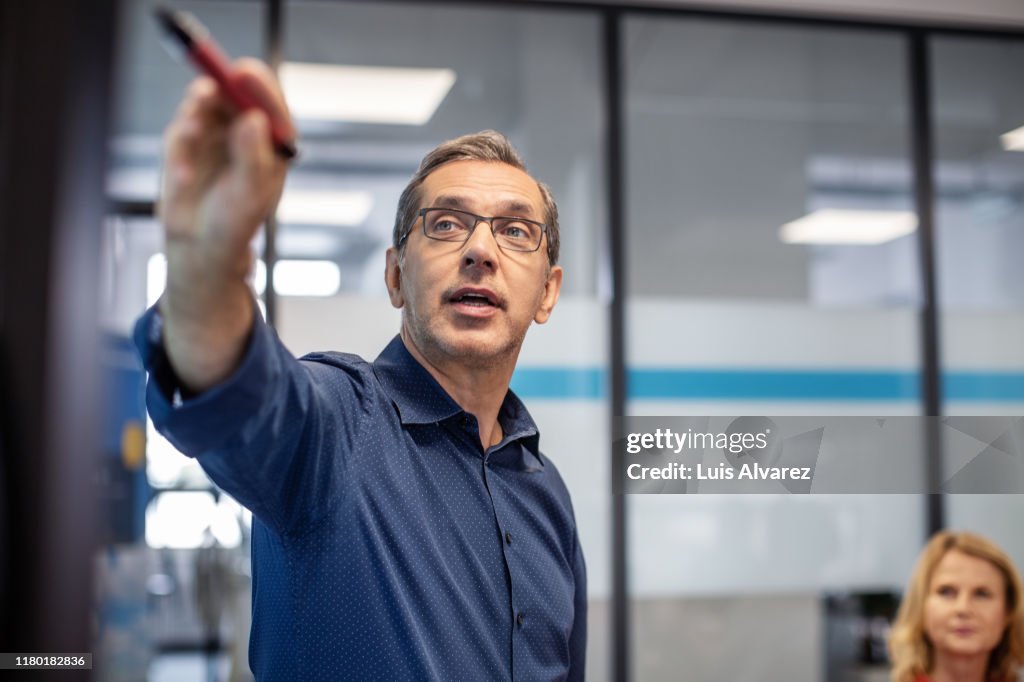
<point x="221" y="179"/>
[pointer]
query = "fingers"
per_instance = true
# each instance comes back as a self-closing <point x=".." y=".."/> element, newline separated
<point x="221" y="175"/>
<point x="257" y="171"/>
<point x="198" y="132"/>
<point x="203" y="96"/>
<point x="257" y="79"/>
<point x="256" y="174"/>
<point x="200" y="122"/>
<point x="194" y="151"/>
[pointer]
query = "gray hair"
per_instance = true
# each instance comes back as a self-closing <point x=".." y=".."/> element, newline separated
<point x="487" y="145"/>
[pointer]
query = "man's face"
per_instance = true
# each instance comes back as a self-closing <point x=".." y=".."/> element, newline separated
<point x="472" y="302"/>
<point x="965" y="611"/>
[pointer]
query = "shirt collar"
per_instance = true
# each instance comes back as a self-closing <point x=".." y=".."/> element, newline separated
<point x="421" y="400"/>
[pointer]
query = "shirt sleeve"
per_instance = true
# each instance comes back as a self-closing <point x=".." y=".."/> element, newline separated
<point x="263" y="435"/>
<point x="578" y="637"/>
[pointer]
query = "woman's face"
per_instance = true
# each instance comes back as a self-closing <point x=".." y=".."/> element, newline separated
<point x="965" y="610"/>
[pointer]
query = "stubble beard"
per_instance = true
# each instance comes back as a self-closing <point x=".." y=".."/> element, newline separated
<point x="441" y="345"/>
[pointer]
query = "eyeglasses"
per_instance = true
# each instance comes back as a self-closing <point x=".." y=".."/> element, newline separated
<point x="452" y="225"/>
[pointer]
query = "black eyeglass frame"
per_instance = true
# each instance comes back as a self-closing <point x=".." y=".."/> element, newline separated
<point x="421" y="216"/>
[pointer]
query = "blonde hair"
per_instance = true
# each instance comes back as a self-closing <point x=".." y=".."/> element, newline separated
<point x="912" y="653"/>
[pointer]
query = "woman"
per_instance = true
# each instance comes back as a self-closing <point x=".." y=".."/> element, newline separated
<point x="962" y="618"/>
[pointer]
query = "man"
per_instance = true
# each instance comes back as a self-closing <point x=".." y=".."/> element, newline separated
<point x="406" y="526"/>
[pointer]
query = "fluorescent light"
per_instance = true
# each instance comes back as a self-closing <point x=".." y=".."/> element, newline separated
<point x="364" y="94"/>
<point x="306" y="277"/>
<point x="324" y="207"/>
<point x="308" y="243"/>
<point x="291" y="278"/>
<point x="1013" y="141"/>
<point x="834" y="226"/>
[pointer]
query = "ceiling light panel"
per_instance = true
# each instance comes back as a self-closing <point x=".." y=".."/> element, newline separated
<point x="364" y="94"/>
<point x="846" y="227"/>
<point x="1013" y="141"/>
<point x="324" y="207"/>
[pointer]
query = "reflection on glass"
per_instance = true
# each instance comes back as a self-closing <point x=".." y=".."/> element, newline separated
<point x="980" y="191"/>
<point x="734" y="130"/>
<point x="979" y="214"/>
<point x="725" y="146"/>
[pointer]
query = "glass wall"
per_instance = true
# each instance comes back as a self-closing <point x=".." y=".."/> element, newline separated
<point x="979" y="179"/>
<point x="750" y="147"/>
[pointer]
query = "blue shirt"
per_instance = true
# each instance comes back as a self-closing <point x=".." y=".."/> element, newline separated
<point x="386" y="544"/>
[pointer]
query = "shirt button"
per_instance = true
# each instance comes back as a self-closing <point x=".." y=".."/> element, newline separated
<point x="519" y="619"/>
<point x="508" y="541"/>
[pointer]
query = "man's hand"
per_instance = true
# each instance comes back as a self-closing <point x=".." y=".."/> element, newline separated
<point x="221" y="180"/>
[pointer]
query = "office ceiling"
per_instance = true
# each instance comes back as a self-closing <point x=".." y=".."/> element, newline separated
<point x="827" y="104"/>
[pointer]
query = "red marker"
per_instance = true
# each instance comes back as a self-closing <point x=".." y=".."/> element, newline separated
<point x="203" y="52"/>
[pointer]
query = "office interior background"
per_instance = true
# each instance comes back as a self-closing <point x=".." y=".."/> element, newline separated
<point x="703" y="156"/>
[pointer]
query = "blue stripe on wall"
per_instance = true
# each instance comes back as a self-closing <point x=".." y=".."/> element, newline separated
<point x="984" y="386"/>
<point x="589" y="383"/>
<point x="772" y="385"/>
<point x="565" y="383"/>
